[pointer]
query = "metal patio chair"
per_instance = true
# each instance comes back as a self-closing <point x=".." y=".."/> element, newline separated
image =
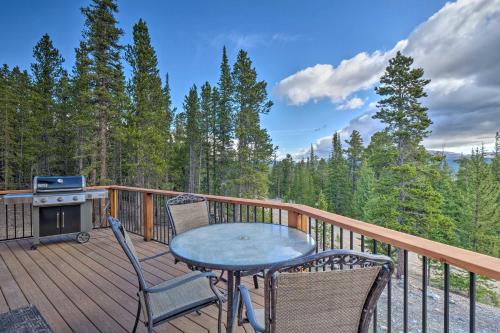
<point x="331" y="291"/>
<point x="188" y="211"/>
<point x="173" y="298"/>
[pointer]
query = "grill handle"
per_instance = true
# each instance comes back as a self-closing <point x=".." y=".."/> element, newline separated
<point x="63" y="220"/>
<point x="57" y="219"/>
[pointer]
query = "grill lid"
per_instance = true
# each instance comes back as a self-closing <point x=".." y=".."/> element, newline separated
<point x="58" y="183"/>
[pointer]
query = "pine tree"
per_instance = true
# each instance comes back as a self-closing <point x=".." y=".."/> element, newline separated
<point x="64" y="138"/>
<point x="84" y="115"/>
<point x="148" y="120"/>
<point x="354" y="153"/>
<point x="404" y="198"/>
<point x="407" y="121"/>
<point x="495" y="163"/>
<point x="223" y="106"/>
<point x="254" y="144"/>
<point x="47" y="71"/>
<point x="380" y="153"/>
<point x="339" y="193"/>
<point x="101" y="36"/>
<point x="8" y="114"/>
<point x="482" y="225"/>
<point x="21" y="86"/>
<point x="208" y="128"/>
<point x="193" y="137"/>
<point x="179" y="154"/>
<point x="364" y="192"/>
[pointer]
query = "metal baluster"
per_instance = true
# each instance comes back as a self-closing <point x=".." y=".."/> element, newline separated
<point x="15" y="220"/>
<point x="215" y="211"/>
<point x="324" y="240"/>
<point x="280" y="215"/>
<point x="375" y="307"/>
<point x="31" y="222"/>
<point x="472" y="302"/>
<point x="316" y="232"/>
<point x="332" y="241"/>
<point x="227" y="212"/>
<point x="263" y="214"/>
<point x="341" y="238"/>
<point x="272" y="218"/>
<point x="424" y="294"/>
<point x="323" y="236"/>
<point x="351" y="240"/>
<point x="309" y="231"/>
<point x="389" y="296"/>
<point x="234" y="213"/>
<point x="6" y="222"/>
<point x="23" y="219"/>
<point x="254" y="214"/>
<point x="446" y="298"/>
<point x="362" y="243"/>
<point x="248" y="213"/>
<point x="405" y="291"/>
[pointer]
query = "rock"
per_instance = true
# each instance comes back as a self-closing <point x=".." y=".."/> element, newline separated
<point x="432" y="295"/>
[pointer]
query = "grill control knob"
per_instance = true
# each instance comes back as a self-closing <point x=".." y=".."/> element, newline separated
<point x="75" y="198"/>
<point x="43" y="200"/>
<point x="59" y="199"/>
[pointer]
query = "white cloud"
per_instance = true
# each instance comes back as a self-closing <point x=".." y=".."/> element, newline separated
<point x="336" y="83"/>
<point x="459" y="49"/>
<point x="351" y="104"/>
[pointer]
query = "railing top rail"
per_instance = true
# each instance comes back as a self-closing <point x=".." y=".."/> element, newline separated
<point x="471" y="261"/>
<point x="231" y="200"/>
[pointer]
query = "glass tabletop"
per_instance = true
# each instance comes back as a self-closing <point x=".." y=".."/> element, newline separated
<point x="241" y="246"/>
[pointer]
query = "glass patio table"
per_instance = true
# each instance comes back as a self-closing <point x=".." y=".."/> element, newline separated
<point x="240" y="247"/>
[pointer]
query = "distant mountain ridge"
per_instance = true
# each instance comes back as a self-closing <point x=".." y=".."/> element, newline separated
<point x="453" y="158"/>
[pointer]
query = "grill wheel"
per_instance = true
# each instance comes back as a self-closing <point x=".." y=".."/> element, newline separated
<point x="82" y="237"/>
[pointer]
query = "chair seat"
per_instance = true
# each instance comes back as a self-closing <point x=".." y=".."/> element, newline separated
<point x="181" y="298"/>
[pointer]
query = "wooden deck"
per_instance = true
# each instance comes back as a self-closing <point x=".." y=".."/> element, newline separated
<point x="92" y="287"/>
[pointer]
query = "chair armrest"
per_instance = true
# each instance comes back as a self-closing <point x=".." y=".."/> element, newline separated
<point x="247" y="301"/>
<point x="155" y="256"/>
<point x="199" y="275"/>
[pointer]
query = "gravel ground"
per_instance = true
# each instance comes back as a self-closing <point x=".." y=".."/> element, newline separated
<point x="487" y="317"/>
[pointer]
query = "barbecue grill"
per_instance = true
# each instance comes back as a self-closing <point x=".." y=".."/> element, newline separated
<point x="60" y="206"/>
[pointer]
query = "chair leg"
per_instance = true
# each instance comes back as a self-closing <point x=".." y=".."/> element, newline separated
<point x="255" y="282"/>
<point x="137" y="316"/>
<point x="219" y="318"/>
<point x="221" y="278"/>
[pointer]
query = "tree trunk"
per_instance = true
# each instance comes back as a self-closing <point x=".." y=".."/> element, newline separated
<point x="103" y="125"/>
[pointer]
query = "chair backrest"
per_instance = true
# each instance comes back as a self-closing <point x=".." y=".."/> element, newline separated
<point x="186" y="212"/>
<point x="128" y="247"/>
<point x="314" y="293"/>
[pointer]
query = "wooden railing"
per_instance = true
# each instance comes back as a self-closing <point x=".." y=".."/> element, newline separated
<point x="142" y="211"/>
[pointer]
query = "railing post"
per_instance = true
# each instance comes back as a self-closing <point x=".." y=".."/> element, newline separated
<point x="113" y="203"/>
<point x="303" y="224"/>
<point x="148" y="216"/>
<point x="294" y="220"/>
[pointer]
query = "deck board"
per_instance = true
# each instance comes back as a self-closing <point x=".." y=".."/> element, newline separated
<point x="92" y="287"/>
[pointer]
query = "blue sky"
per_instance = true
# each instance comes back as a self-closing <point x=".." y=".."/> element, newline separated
<point x="282" y="38"/>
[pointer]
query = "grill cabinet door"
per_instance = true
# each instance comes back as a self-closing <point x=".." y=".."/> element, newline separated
<point x="70" y="219"/>
<point x="49" y="221"/>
